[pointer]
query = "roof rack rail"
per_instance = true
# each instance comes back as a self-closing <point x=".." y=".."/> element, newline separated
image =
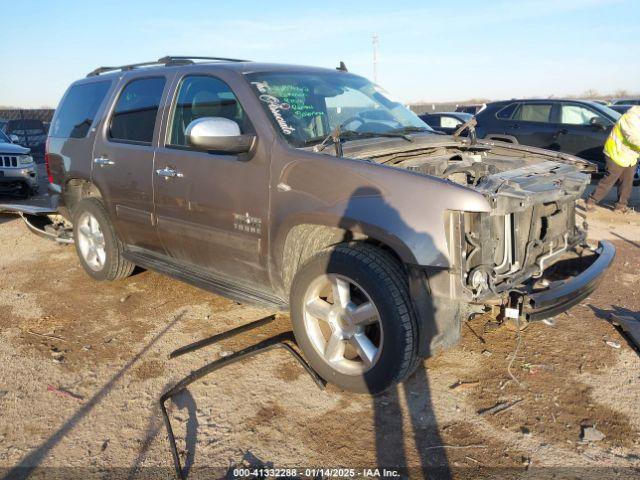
<point x="167" y="61"/>
<point x="171" y="59"/>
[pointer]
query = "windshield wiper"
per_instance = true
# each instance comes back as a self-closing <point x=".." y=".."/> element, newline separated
<point x="411" y="129"/>
<point x="337" y="135"/>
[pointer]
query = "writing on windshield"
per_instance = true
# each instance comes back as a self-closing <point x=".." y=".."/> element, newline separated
<point x="306" y="107"/>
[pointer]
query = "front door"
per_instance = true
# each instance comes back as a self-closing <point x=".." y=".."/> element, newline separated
<point x="123" y="160"/>
<point x="211" y="207"/>
<point x="579" y="136"/>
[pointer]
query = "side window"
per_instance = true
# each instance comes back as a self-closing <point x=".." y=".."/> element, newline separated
<point x="506" y="112"/>
<point x="534" y="112"/>
<point x="577" y="115"/>
<point x="204" y="96"/>
<point x="449" y="122"/>
<point x="134" y="116"/>
<point x="77" y="111"/>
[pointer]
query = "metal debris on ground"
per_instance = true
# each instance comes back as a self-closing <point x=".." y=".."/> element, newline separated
<point x="499" y="407"/>
<point x="46" y="335"/>
<point x="612" y="344"/>
<point x="283" y="340"/>
<point x="629" y="325"/>
<point x="61" y="392"/>
<point x="480" y="339"/>
<point x="464" y="383"/>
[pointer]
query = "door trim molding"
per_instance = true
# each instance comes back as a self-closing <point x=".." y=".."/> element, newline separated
<point x="134" y="215"/>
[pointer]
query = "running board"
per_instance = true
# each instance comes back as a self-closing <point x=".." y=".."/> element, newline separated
<point x="206" y="281"/>
<point x="43" y="226"/>
<point x="36" y="218"/>
<point x="19" y="208"/>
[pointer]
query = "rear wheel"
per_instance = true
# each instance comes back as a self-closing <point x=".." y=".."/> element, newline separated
<point x="353" y="319"/>
<point x="98" y="248"/>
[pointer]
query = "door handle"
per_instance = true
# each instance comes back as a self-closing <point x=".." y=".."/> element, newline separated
<point x="102" y="161"/>
<point x="563" y="131"/>
<point x="515" y="126"/>
<point x="168" y="172"/>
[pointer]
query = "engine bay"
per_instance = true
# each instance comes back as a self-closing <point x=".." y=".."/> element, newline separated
<point x="533" y="219"/>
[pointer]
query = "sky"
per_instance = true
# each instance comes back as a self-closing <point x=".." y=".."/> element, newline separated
<point x="428" y="50"/>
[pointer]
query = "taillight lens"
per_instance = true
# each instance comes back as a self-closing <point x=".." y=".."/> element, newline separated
<point x="46" y="161"/>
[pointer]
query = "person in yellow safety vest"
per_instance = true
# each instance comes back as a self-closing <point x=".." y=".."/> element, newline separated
<point x="621" y="152"/>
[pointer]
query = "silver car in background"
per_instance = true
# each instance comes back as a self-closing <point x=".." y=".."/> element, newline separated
<point x="17" y="169"/>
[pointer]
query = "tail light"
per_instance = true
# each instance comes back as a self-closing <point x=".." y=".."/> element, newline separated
<point x="47" y="161"/>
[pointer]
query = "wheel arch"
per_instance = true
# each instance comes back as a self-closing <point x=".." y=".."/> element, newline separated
<point x="77" y="189"/>
<point x="499" y="137"/>
<point x="304" y="240"/>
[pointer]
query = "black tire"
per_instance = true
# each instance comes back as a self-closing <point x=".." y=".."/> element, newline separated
<point x="115" y="266"/>
<point x="383" y="279"/>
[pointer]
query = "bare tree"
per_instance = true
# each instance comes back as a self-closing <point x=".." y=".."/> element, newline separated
<point x="590" y="93"/>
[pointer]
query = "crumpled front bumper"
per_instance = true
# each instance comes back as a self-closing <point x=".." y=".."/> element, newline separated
<point x="561" y="296"/>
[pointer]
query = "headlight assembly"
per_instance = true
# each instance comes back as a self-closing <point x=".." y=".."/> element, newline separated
<point x="25" y="159"/>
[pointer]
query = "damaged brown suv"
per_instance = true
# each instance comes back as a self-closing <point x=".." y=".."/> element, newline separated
<point x="314" y="191"/>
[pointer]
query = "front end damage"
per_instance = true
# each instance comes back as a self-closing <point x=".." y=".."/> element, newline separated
<point x="528" y="258"/>
<point x="530" y="253"/>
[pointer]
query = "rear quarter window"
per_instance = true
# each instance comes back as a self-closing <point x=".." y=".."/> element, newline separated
<point x="78" y="109"/>
<point x="506" y="113"/>
<point x="534" y="112"/>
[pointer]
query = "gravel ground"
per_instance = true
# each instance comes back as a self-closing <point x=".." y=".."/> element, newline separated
<point x="84" y="363"/>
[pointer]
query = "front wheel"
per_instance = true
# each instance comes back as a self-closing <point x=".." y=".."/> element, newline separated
<point x="99" y="249"/>
<point x="353" y="319"/>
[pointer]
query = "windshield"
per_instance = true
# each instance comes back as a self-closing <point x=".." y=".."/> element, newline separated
<point x="306" y="107"/>
<point x="612" y="114"/>
<point x="4" y="138"/>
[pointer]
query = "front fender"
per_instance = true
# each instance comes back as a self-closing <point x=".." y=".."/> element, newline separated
<point x="402" y="209"/>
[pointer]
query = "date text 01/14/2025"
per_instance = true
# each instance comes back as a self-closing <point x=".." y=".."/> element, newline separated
<point x="316" y="472"/>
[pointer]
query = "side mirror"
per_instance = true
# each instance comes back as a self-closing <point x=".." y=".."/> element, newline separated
<point x="218" y="134"/>
<point x="598" y="123"/>
<point x="14" y="138"/>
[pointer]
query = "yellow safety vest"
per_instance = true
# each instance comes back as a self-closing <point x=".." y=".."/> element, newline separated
<point x="619" y="147"/>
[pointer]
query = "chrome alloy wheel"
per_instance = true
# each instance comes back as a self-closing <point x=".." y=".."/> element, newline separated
<point x="343" y="324"/>
<point x="91" y="242"/>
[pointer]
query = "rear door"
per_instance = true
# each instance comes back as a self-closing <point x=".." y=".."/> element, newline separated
<point x="532" y="124"/>
<point x="211" y="213"/>
<point x="578" y="136"/>
<point x="123" y="158"/>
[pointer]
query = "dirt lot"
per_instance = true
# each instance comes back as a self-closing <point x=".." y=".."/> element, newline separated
<point x="84" y="363"/>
